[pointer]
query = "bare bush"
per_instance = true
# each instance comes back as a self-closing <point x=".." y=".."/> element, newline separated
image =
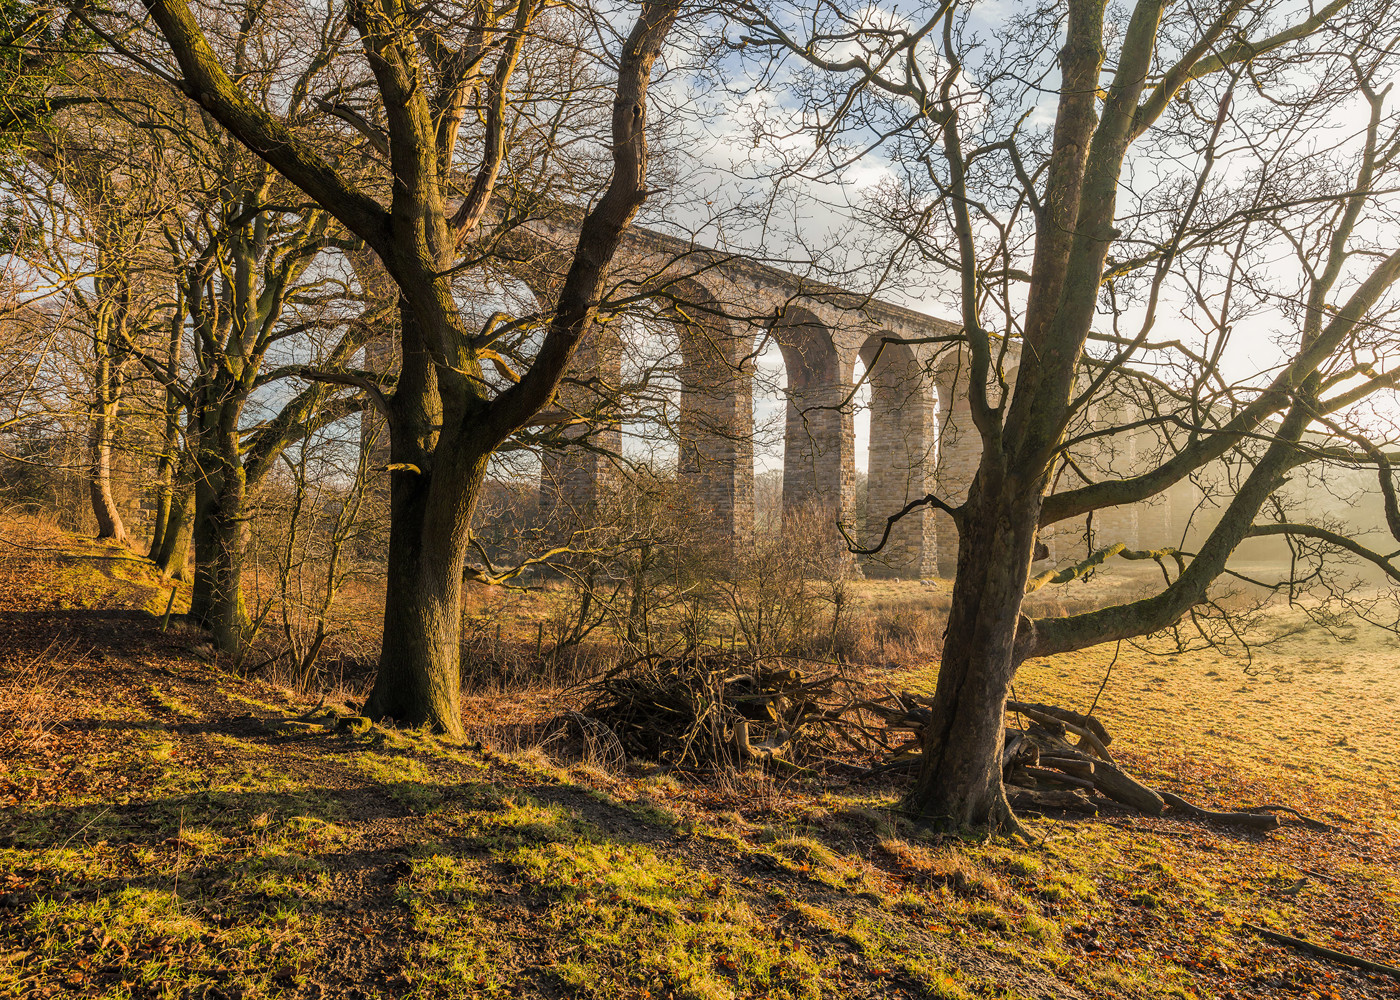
<point x="321" y="525"/>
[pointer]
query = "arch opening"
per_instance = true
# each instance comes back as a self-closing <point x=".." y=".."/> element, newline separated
<point x="902" y="458"/>
<point x="818" y="424"/>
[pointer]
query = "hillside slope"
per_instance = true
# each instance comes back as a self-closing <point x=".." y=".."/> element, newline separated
<point x="172" y="829"/>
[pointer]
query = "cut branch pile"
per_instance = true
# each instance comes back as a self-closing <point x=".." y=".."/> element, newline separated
<point x="720" y="710"/>
<point x="1044" y="771"/>
<point x="715" y="711"/>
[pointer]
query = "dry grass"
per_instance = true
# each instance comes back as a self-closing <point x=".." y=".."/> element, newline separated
<point x="1314" y="720"/>
<point x="27" y="709"/>
<point x="182" y="831"/>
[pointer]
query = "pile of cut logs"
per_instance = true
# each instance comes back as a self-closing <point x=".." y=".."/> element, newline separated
<point x="1044" y="771"/>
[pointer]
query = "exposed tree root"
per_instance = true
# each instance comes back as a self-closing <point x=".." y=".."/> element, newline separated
<point x="1250" y="820"/>
<point x="1044" y="772"/>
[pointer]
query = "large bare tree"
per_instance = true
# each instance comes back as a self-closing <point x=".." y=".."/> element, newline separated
<point x="428" y="70"/>
<point x="1200" y="174"/>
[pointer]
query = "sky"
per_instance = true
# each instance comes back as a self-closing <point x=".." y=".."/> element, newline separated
<point x="728" y="164"/>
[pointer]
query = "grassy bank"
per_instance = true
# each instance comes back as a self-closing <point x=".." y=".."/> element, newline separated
<point x="170" y="828"/>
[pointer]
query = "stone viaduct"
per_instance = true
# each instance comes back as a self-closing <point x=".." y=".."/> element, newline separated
<point x="725" y="311"/>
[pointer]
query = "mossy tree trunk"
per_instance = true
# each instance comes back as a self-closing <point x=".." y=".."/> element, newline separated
<point x="220" y="529"/>
<point x="173" y="556"/>
<point x="168" y="501"/>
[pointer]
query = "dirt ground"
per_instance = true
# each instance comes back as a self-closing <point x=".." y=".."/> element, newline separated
<point x="170" y="828"/>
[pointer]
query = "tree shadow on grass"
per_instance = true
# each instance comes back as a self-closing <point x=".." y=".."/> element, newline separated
<point x="238" y="864"/>
<point x="110" y="630"/>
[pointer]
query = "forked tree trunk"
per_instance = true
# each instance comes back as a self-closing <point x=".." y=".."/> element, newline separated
<point x="441" y="441"/>
<point x="960" y="783"/>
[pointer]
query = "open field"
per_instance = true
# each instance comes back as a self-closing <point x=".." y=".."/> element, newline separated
<point x="169" y="828"/>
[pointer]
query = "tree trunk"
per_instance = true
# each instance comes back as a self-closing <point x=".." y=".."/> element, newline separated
<point x="960" y="783"/>
<point x="220" y="538"/>
<point x="161" y="520"/>
<point x="165" y="487"/>
<point x="437" y="469"/>
<point x="106" y="402"/>
<point x="174" y="553"/>
<point x="420" y="677"/>
<point x="167" y="471"/>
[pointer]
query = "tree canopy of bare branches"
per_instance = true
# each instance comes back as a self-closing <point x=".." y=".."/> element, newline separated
<point x="1189" y="206"/>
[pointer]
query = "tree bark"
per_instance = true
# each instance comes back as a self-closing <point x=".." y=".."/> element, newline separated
<point x="173" y="555"/>
<point x="220" y="533"/>
<point x="168" y="468"/>
<point x="960" y="782"/>
<point x="434" y="487"/>
<point x="420" y="665"/>
<point x="106" y="406"/>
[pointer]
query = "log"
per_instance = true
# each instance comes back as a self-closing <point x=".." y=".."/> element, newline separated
<point x="906" y="765"/>
<point x="1045" y="774"/>
<point x="1322" y="951"/>
<point x="1077" y="766"/>
<point x="1085" y="722"/>
<point x="1308" y="821"/>
<point x="1250" y="820"/>
<point x="1054" y="723"/>
<point x="1018" y="750"/>
<point x="1122" y="787"/>
<point x="1036" y="799"/>
<point x="1107" y="777"/>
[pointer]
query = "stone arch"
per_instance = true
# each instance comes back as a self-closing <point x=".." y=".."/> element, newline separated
<point x="819" y="427"/>
<point x="901" y="463"/>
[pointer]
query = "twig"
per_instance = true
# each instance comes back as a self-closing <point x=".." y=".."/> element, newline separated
<point x="1106" y="675"/>
<point x="308" y="715"/>
<point x="169" y="605"/>
<point x="89" y="823"/>
<point x="179" y="842"/>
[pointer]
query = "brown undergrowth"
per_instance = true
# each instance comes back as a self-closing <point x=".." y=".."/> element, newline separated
<point x="169" y="828"/>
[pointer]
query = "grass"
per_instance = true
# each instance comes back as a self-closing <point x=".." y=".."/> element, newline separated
<point x="168" y="829"/>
